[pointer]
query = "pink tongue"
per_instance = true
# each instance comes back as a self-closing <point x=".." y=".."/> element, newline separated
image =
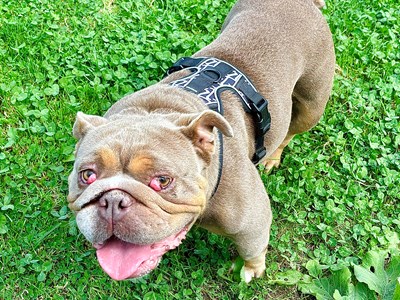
<point x="122" y="260"/>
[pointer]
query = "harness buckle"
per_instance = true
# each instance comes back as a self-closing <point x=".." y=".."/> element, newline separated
<point x="258" y="155"/>
<point x="259" y="109"/>
<point x="262" y="120"/>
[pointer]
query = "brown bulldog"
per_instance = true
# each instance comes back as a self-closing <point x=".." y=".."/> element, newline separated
<point x="153" y="165"/>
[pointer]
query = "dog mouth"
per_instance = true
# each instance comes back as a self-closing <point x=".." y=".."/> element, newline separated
<point x="122" y="260"/>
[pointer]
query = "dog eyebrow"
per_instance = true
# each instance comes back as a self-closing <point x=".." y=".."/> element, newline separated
<point x="108" y="159"/>
<point x="140" y="164"/>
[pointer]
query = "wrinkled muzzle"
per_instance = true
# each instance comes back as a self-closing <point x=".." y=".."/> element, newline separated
<point x="131" y="225"/>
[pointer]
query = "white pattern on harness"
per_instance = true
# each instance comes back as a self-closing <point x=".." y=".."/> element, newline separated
<point x="210" y="94"/>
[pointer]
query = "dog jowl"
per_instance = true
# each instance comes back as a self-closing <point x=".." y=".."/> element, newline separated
<point x="184" y="151"/>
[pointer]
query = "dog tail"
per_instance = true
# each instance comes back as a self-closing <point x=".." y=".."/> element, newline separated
<point x="319" y="3"/>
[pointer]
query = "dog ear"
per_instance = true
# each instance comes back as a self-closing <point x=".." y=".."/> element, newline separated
<point x="84" y="123"/>
<point x="200" y="130"/>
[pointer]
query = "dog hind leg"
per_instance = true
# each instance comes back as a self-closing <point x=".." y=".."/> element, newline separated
<point x="309" y="98"/>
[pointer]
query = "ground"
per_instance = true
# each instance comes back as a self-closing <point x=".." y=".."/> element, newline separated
<point x="334" y="197"/>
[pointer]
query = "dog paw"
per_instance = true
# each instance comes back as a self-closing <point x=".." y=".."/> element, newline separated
<point x="273" y="160"/>
<point x="252" y="272"/>
<point x="249" y="269"/>
<point x="271" y="163"/>
<point x="254" y="268"/>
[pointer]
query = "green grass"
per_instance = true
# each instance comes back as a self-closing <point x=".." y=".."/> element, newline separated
<point x="334" y="198"/>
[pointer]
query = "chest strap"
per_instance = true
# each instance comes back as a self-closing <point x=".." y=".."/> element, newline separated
<point x="210" y="77"/>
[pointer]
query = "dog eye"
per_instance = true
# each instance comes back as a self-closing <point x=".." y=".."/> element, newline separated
<point x="164" y="181"/>
<point x="88" y="176"/>
<point x="160" y="183"/>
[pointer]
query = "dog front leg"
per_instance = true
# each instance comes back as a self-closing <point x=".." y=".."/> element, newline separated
<point x="254" y="258"/>
<point x="253" y="238"/>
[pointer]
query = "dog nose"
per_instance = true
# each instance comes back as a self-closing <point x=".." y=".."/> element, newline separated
<point x="114" y="205"/>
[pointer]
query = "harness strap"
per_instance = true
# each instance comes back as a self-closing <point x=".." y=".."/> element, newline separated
<point x="211" y="76"/>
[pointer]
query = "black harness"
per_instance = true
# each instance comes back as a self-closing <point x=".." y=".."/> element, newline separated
<point x="210" y="77"/>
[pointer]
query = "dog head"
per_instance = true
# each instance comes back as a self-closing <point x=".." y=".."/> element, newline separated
<point x="139" y="183"/>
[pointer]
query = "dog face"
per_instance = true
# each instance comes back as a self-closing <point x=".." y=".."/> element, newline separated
<point x="139" y="184"/>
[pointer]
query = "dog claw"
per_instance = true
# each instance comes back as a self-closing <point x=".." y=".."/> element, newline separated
<point x="271" y="163"/>
<point x="274" y="160"/>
